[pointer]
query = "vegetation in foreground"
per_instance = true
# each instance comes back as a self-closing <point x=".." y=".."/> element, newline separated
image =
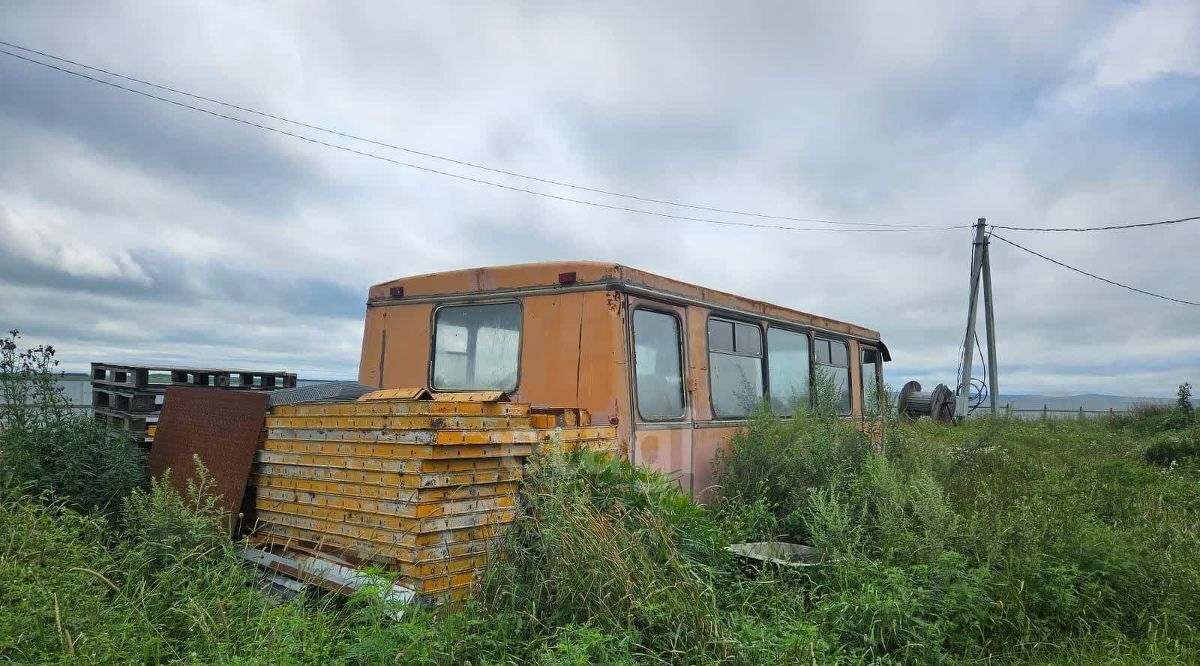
<point x="997" y="541"/>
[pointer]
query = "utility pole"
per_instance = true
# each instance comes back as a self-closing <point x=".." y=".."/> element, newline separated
<point x="980" y="268"/>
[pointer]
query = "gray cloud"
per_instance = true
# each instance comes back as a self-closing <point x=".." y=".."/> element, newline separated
<point x="130" y="229"/>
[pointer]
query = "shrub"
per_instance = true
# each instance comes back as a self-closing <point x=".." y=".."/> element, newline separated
<point x="777" y="462"/>
<point x="1173" y="446"/>
<point x="166" y="527"/>
<point x="612" y="546"/>
<point x="47" y="447"/>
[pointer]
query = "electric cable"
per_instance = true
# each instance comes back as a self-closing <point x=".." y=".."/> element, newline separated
<point x="443" y="158"/>
<point x="1113" y="227"/>
<point x="1093" y="275"/>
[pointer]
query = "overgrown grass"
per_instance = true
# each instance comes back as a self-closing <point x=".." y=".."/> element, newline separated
<point x="991" y="542"/>
<point x="999" y="542"/>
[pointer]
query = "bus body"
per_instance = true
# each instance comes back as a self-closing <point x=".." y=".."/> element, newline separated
<point x="676" y="367"/>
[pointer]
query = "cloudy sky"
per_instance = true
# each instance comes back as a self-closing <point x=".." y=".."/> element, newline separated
<point x="132" y="229"/>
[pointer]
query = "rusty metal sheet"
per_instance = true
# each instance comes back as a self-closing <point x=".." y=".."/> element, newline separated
<point x="416" y="393"/>
<point x="222" y="427"/>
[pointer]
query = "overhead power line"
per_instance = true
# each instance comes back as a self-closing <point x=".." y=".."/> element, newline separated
<point x="464" y="163"/>
<point x="1093" y="275"/>
<point x="481" y="181"/>
<point x="1113" y="227"/>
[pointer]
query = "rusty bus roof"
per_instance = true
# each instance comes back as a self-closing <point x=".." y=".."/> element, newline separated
<point x="545" y="278"/>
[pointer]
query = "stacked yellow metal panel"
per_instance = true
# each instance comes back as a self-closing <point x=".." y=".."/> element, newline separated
<point x="421" y="487"/>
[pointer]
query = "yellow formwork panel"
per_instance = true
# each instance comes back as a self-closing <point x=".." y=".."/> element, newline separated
<point x="384" y="436"/>
<point x="387" y="507"/>
<point x="387" y="537"/>
<point x="398" y="408"/>
<point x="442" y="568"/>
<point x="406" y="422"/>
<point x="387" y="521"/>
<point x="397" y="479"/>
<point x="512" y="436"/>
<point x="440" y="583"/>
<point x="413" y="393"/>
<point x="370" y="436"/>
<point x="382" y="492"/>
<point x="491" y="457"/>
<point x="471" y="396"/>
<point x="285" y="535"/>
<point x="412" y="462"/>
<point x="590" y="432"/>
<point x="401" y="465"/>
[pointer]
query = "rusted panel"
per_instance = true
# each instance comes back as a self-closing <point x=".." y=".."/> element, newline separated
<point x="408" y="339"/>
<point x="698" y="385"/>
<point x="603" y="387"/>
<point x="418" y="393"/>
<point x="222" y="427"/>
<point x="550" y="368"/>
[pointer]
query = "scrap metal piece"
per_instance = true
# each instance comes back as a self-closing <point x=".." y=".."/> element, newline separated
<point x="329" y="572"/>
<point x="222" y="427"/>
<point x="778" y="552"/>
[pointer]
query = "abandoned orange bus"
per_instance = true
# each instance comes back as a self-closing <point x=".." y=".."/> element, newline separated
<point x="676" y="367"/>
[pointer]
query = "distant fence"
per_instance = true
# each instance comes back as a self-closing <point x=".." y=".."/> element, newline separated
<point x="1046" y="413"/>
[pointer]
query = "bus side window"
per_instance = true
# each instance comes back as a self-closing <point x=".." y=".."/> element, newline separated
<point x="788" y="369"/>
<point x="735" y="357"/>
<point x="658" y="366"/>
<point x="870" y="380"/>
<point x="833" y="361"/>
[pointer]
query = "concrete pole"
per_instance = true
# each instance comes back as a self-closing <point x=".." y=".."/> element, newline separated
<point x="964" y="380"/>
<point x="989" y="317"/>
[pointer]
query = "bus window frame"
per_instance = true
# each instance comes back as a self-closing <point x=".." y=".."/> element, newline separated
<point x="762" y="343"/>
<point x="433" y="340"/>
<point x="683" y="364"/>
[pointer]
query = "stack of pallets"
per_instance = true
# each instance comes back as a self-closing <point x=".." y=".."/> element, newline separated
<point x="421" y="487"/>
<point x="131" y="396"/>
